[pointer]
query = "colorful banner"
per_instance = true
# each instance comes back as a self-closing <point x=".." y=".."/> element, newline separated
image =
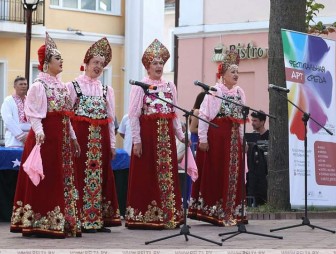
<point x="310" y="76"/>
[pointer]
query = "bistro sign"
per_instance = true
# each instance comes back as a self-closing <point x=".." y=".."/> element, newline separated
<point x="245" y="52"/>
<point x="250" y="51"/>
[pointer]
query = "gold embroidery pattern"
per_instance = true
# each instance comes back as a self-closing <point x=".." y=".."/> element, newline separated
<point x="54" y="220"/>
<point x="108" y="210"/>
<point x="233" y="170"/>
<point x="72" y="222"/>
<point x="165" y="176"/>
<point x="153" y="214"/>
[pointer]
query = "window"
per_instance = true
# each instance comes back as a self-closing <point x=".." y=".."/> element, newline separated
<point x="104" y="5"/>
<point x="34" y="72"/>
<point x="101" y="6"/>
<point x="70" y="3"/>
<point x="88" y="5"/>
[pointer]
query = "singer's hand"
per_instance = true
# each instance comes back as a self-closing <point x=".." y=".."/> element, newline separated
<point x="76" y="147"/>
<point x="39" y="138"/>
<point x="137" y="149"/>
<point x="204" y="147"/>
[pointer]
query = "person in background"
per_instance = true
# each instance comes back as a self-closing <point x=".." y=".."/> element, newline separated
<point x="126" y="133"/>
<point x="93" y="122"/>
<point x="193" y="122"/>
<point x="257" y="184"/>
<point x="258" y="120"/>
<point x="154" y="199"/>
<point x="220" y="195"/>
<point x="13" y="115"/>
<point x="50" y="208"/>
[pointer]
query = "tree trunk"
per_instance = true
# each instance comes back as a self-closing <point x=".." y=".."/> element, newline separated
<point x="287" y="14"/>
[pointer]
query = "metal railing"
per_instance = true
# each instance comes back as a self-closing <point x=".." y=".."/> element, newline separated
<point x="12" y="10"/>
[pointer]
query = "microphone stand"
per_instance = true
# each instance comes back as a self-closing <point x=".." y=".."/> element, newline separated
<point x="185" y="230"/>
<point x="305" y="117"/>
<point x="240" y="224"/>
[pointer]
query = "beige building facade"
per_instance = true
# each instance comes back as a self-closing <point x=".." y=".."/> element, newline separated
<point x="74" y="27"/>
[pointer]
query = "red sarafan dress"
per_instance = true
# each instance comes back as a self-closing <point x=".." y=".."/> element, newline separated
<point x="48" y="209"/>
<point x="217" y="195"/>
<point x="93" y="125"/>
<point x="154" y="199"/>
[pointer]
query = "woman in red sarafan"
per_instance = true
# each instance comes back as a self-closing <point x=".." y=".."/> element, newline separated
<point x="94" y="107"/>
<point x="154" y="198"/>
<point x="48" y="209"/>
<point x="218" y="200"/>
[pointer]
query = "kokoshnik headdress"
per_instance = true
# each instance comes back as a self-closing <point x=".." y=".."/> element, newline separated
<point x="99" y="48"/>
<point x="45" y="52"/>
<point x="231" y="60"/>
<point x="155" y="50"/>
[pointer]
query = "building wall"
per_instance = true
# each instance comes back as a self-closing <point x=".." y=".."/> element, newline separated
<point x="72" y="46"/>
<point x="221" y="22"/>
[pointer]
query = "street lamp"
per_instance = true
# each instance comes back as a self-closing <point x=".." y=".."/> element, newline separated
<point x="29" y="6"/>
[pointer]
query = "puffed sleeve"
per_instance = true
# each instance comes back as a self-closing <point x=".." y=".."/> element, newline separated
<point x="135" y="107"/>
<point x="111" y="114"/>
<point x="177" y="124"/>
<point x="72" y="92"/>
<point x="36" y="106"/>
<point x="72" y="132"/>
<point x="208" y="111"/>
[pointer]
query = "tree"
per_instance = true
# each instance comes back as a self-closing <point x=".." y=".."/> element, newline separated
<point x="312" y="9"/>
<point x="287" y="14"/>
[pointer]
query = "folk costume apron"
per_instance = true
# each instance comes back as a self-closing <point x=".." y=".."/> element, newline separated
<point x="98" y="203"/>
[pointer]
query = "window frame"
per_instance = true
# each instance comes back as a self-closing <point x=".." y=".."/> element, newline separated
<point x="115" y="7"/>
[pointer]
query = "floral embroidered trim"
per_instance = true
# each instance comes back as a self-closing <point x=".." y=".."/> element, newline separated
<point x="25" y="215"/>
<point x="153" y="105"/>
<point x="92" y="197"/>
<point x="165" y="176"/>
<point x="233" y="170"/>
<point x="72" y="225"/>
<point x="20" y="106"/>
<point x="152" y="215"/>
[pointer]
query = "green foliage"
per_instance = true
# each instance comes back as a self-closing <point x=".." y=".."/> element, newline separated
<point x="266" y="208"/>
<point x="312" y="9"/>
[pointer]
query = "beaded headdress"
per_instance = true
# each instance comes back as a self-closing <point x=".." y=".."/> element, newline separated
<point x="99" y="48"/>
<point x="46" y="51"/>
<point x="155" y="50"/>
<point x="231" y="58"/>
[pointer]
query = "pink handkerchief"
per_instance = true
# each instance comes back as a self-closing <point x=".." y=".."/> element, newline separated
<point x="33" y="165"/>
<point x="191" y="166"/>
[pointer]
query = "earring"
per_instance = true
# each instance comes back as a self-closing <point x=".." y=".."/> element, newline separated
<point x="45" y="67"/>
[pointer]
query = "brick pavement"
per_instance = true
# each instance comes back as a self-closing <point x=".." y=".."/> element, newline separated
<point x="124" y="239"/>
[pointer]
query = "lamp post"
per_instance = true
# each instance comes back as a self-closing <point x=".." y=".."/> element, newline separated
<point x="29" y="6"/>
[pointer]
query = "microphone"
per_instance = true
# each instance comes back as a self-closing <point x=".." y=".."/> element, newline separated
<point x="204" y="86"/>
<point x="278" y="88"/>
<point x="143" y="85"/>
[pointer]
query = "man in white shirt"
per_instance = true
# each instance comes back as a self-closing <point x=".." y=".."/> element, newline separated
<point x="125" y="132"/>
<point x="14" y="118"/>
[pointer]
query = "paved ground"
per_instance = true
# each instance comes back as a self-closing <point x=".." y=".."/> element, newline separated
<point x="123" y="240"/>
